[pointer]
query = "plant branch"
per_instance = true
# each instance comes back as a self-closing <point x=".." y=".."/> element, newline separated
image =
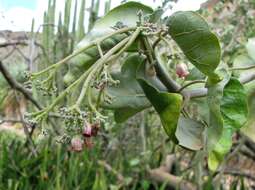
<point x="15" y="85"/>
<point x="162" y="175"/>
<point x="191" y="83"/>
<point x="162" y="74"/>
<point x="13" y="43"/>
<point x="77" y="52"/>
<point x="202" y="92"/>
<point x="242" y="68"/>
<point x="98" y="66"/>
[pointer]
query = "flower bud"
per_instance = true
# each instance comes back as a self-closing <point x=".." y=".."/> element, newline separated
<point x="182" y="70"/>
<point x="87" y="130"/>
<point x="77" y="144"/>
<point x="95" y="129"/>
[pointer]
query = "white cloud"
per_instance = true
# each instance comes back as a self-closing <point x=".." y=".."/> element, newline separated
<point x="20" y="19"/>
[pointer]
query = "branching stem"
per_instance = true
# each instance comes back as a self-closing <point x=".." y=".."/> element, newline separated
<point x="77" y="52"/>
<point x="242" y="68"/>
<point x="191" y="83"/>
<point x="97" y="67"/>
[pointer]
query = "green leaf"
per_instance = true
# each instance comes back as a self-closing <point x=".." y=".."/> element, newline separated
<point x="167" y="105"/>
<point x="100" y="181"/>
<point x="126" y="14"/>
<point x="195" y="74"/>
<point x="214" y="97"/>
<point x="250" y="47"/>
<point x="190" y="133"/>
<point x="249" y="127"/>
<point x="221" y="148"/>
<point x="234" y="114"/>
<point x="243" y="61"/>
<point x="156" y="15"/>
<point x="234" y="108"/>
<point x="198" y="43"/>
<point x="128" y="96"/>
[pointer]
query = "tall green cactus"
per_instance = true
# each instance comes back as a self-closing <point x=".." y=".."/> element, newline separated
<point x="92" y="14"/>
<point x="107" y="6"/>
<point x="81" y="29"/>
<point x="51" y="19"/>
<point x="65" y="39"/>
<point x="73" y="37"/>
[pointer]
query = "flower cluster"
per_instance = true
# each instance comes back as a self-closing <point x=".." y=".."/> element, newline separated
<point x="78" y="143"/>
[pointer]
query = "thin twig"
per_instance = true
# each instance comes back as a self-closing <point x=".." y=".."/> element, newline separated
<point x="13" y="43"/>
<point x="191" y="83"/>
<point x="25" y="127"/>
<point x="242" y="68"/>
<point x="202" y="92"/>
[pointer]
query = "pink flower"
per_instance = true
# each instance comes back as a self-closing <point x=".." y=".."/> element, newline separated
<point x="182" y="70"/>
<point x="77" y="144"/>
<point x="87" y="130"/>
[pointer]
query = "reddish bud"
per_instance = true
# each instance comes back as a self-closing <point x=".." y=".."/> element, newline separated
<point x="87" y="130"/>
<point x="182" y="70"/>
<point x="77" y="144"/>
<point x="95" y="129"/>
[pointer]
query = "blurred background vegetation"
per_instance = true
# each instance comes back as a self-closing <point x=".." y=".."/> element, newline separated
<point x="124" y="156"/>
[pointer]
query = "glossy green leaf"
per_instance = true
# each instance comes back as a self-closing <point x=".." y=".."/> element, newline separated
<point x="190" y="133"/>
<point x="126" y="15"/>
<point x="234" y="114"/>
<point x="249" y="127"/>
<point x="198" y="43"/>
<point x="167" y="105"/>
<point x="128" y="97"/>
<point x="214" y="97"/>
<point x="223" y="146"/>
<point x="234" y="108"/>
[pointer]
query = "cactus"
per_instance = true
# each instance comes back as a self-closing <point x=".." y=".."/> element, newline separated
<point x="107" y="6"/>
<point x="91" y="15"/>
<point x="80" y="30"/>
<point x="73" y="38"/>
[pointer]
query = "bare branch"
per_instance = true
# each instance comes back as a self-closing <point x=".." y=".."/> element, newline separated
<point x="162" y="175"/>
<point x="15" y="85"/>
<point x="13" y="43"/>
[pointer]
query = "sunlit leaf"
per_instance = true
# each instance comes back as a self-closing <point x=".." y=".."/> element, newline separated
<point x="198" y="43"/>
<point x="167" y="105"/>
<point x="125" y="15"/>
<point x="250" y="46"/>
<point x="234" y="114"/>
<point x="128" y="97"/>
<point x="234" y="108"/>
<point x="214" y="97"/>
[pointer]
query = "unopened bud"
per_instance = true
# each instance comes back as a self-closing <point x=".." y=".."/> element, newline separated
<point x="87" y="130"/>
<point x="182" y="70"/>
<point x="77" y="144"/>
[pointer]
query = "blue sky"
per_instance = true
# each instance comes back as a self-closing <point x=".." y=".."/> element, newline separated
<point x="30" y="4"/>
<point x="17" y="15"/>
